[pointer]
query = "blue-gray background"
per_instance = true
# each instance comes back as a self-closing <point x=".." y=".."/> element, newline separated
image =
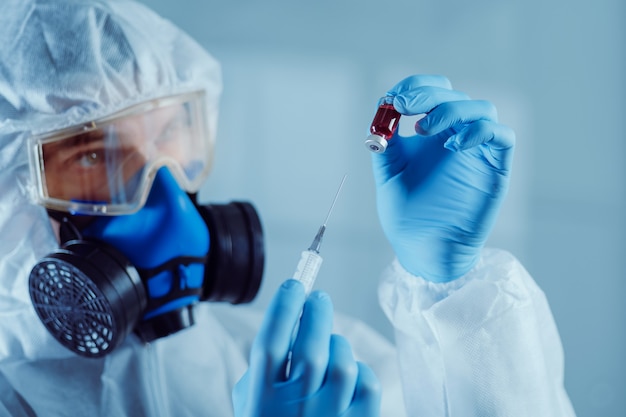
<point x="301" y="80"/>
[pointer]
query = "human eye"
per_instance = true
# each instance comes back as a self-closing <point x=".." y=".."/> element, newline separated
<point x="84" y="151"/>
<point x="89" y="158"/>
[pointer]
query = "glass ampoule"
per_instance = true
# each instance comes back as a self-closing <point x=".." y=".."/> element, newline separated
<point x="383" y="126"/>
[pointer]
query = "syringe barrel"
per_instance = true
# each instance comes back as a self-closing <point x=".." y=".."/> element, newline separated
<point x="307" y="269"/>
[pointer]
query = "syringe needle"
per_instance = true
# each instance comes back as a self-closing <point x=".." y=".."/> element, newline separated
<point x="332" y="206"/>
<point x="308" y="267"/>
<point x="317" y="241"/>
<point x="310" y="260"/>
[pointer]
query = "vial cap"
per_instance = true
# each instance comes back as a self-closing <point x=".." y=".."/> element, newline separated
<point x="376" y="143"/>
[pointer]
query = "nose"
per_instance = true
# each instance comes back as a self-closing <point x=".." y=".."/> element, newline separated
<point x="168" y="226"/>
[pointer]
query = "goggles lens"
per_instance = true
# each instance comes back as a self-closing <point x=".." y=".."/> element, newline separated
<point x="107" y="166"/>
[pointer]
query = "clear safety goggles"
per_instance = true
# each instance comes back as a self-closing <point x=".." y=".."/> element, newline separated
<point x="107" y="166"/>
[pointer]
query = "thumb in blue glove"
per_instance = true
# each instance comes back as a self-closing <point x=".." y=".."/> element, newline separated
<point x="324" y="379"/>
<point x="439" y="192"/>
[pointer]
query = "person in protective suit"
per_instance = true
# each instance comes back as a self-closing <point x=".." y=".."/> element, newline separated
<point x="109" y="264"/>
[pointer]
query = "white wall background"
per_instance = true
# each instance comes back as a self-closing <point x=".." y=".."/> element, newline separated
<point x="301" y="80"/>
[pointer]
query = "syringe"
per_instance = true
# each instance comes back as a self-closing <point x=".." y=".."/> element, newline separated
<point x="308" y="267"/>
<point x="310" y="259"/>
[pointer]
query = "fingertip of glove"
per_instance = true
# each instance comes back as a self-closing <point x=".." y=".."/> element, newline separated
<point x="292" y="285"/>
<point x="399" y="103"/>
<point x="320" y="295"/>
<point x="452" y="144"/>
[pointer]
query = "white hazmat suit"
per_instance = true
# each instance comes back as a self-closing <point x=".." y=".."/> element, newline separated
<point x="482" y="345"/>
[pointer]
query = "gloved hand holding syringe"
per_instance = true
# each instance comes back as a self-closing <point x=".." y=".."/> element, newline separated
<point x="309" y="266"/>
<point x="310" y="259"/>
<point x="298" y="366"/>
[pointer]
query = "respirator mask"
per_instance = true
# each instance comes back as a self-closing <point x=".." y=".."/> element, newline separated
<point x="137" y="250"/>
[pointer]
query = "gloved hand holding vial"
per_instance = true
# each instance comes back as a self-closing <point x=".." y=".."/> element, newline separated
<point x="439" y="191"/>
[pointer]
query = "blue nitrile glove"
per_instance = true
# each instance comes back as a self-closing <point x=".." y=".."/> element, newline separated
<point x="439" y="192"/>
<point x="324" y="378"/>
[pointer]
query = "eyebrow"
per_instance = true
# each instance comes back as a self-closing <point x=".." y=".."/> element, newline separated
<point x="82" y="138"/>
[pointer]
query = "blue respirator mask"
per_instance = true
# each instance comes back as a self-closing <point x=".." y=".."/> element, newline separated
<point x="137" y="251"/>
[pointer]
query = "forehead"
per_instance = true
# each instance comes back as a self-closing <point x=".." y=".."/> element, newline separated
<point x="127" y="129"/>
<point x="148" y="115"/>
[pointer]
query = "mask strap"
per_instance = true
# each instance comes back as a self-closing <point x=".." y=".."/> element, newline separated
<point x="171" y="266"/>
<point x="67" y="230"/>
<point x="177" y="290"/>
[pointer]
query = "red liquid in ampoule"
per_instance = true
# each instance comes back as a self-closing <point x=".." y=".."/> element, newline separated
<point x="383" y="126"/>
<point x="385" y="121"/>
